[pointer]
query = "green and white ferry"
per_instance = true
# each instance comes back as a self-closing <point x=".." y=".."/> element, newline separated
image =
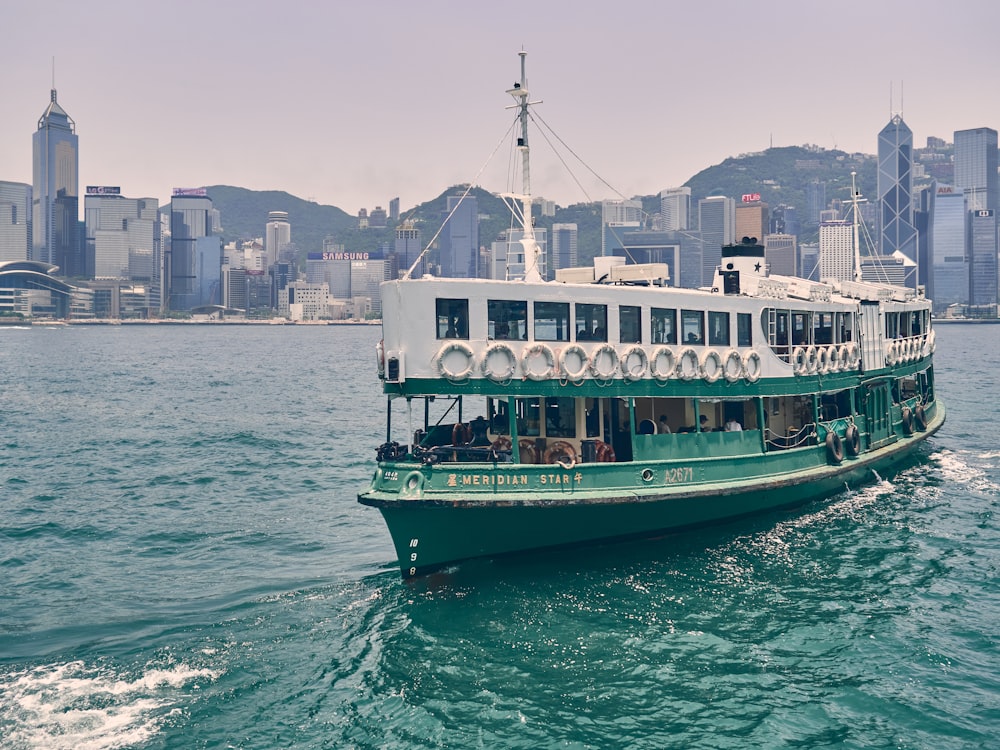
<point x="608" y="405"/>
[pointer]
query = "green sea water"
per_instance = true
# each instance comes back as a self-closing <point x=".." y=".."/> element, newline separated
<point x="183" y="564"/>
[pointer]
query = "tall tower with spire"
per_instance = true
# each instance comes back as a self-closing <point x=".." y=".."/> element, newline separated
<point x="895" y="189"/>
<point x="55" y="203"/>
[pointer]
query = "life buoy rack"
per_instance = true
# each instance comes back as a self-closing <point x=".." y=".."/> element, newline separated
<point x="380" y="358"/>
<point x="852" y="440"/>
<point x="603" y="452"/>
<point x="907" y="420"/>
<point x="527" y="451"/>
<point x="533" y="354"/>
<point x="634" y="363"/>
<point x="445" y="355"/>
<point x="499" y="374"/>
<point x="562" y="453"/>
<point x="732" y="366"/>
<point x="688" y="366"/>
<point x="574" y="350"/>
<point x="605" y="353"/>
<point x="920" y="417"/>
<point x="799" y="361"/>
<point x="834" y="447"/>
<point x="668" y="368"/>
<point x="461" y="434"/>
<point x="751" y="366"/>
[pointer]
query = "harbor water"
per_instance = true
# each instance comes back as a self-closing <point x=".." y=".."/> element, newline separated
<point x="184" y="564"/>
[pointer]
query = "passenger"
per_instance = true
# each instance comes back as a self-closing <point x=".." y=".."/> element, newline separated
<point x="452" y="332"/>
<point x="693" y="338"/>
<point x="479" y="426"/>
<point x="703" y="423"/>
<point x="664" y="428"/>
<point x="733" y="426"/>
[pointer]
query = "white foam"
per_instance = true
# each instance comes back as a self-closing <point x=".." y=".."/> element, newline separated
<point x="71" y="705"/>
<point x="954" y="468"/>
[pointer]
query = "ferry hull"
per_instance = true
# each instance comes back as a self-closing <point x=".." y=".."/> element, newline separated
<point x="431" y="533"/>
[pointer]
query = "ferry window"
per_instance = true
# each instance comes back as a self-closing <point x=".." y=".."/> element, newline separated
<point x="499" y="421"/>
<point x="844" y="327"/>
<point x="800" y="328"/>
<point x="593" y="418"/>
<point x="552" y="321"/>
<point x="744" y="329"/>
<point x="453" y="318"/>
<point x="891" y="326"/>
<point x="664" y="326"/>
<point x="591" y="322"/>
<point x="917" y="328"/>
<point x="629" y="324"/>
<point x="507" y="319"/>
<point x="693" y="326"/>
<point x="560" y="417"/>
<point x="823" y="328"/>
<point x="718" y="329"/>
<point x="526" y="412"/>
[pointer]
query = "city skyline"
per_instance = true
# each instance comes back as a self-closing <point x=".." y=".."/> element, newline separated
<point x="336" y="105"/>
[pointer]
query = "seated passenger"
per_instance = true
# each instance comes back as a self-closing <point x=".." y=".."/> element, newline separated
<point x="479" y="427"/>
<point x="663" y="427"/>
<point x="703" y="423"/>
<point x="733" y="426"/>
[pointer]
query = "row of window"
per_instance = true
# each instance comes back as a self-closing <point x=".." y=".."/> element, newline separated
<point x="582" y="321"/>
<point x="905" y="324"/>
<point x="790" y="328"/>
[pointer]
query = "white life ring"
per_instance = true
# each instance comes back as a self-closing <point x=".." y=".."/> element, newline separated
<point x="574" y="351"/>
<point x="833" y="357"/>
<point x="532" y="356"/>
<point x="931" y="342"/>
<point x="914" y="349"/>
<point x="822" y="360"/>
<point x="845" y="356"/>
<point x="732" y="366"/>
<point x="454" y="361"/>
<point x="854" y="355"/>
<point x="711" y="366"/>
<point x="499" y="363"/>
<point x="688" y="366"/>
<point x="663" y="363"/>
<point x="380" y="358"/>
<point x="891" y="354"/>
<point x="751" y="366"/>
<point x="604" y="355"/>
<point x="800" y="363"/>
<point x="811" y="359"/>
<point x="634" y="363"/>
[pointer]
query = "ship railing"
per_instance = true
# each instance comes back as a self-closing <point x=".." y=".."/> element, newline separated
<point x="838" y="425"/>
<point x="795" y="437"/>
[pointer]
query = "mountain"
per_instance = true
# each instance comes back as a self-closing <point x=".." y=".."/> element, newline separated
<point x="780" y="175"/>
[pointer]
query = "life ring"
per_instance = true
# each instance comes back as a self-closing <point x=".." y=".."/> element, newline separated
<point x="812" y="360"/>
<point x="751" y="366"/>
<point x="931" y="342"/>
<point x="502" y="443"/>
<point x="845" y="356"/>
<point x="461" y="434"/>
<point x="891" y="354"/>
<point x="711" y="366"/>
<point x="499" y="373"/>
<point x="732" y="366"/>
<point x="538" y="353"/>
<point x="920" y="417"/>
<point x="822" y="360"/>
<point x="603" y="452"/>
<point x="605" y="354"/>
<point x="907" y="420"/>
<point x="562" y="453"/>
<point x="688" y="365"/>
<point x="915" y="349"/>
<point x="854" y="355"/>
<point x="834" y="447"/>
<point x="444" y="358"/>
<point x="380" y="358"/>
<point x="799" y="362"/>
<point x="852" y="440"/>
<point x="663" y="363"/>
<point x="634" y="363"/>
<point x="528" y="452"/>
<point x="574" y="350"/>
<point x="833" y="357"/>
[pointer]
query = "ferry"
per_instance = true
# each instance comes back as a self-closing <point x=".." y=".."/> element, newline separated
<point x="608" y="405"/>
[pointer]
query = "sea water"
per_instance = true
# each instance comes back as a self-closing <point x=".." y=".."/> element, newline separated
<point x="183" y="564"/>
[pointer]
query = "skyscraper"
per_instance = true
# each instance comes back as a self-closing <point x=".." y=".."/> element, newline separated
<point x="781" y="254"/>
<point x="836" y="251"/>
<point x="976" y="168"/>
<point x="564" y="250"/>
<point x="752" y="219"/>
<point x="122" y="235"/>
<point x="193" y="268"/>
<point x="982" y="257"/>
<point x="717" y="223"/>
<point x="459" y="241"/>
<point x="55" y="197"/>
<point x="949" y="277"/>
<point x="675" y="208"/>
<point x="408" y="249"/>
<point x="277" y="235"/>
<point x="15" y="221"/>
<point x="895" y="190"/>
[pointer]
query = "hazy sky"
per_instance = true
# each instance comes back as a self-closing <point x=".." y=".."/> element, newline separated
<point x="352" y="104"/>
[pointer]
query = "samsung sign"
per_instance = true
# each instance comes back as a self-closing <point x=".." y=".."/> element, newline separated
<point x="339" y="256"/>
<point x="103" y="190"/>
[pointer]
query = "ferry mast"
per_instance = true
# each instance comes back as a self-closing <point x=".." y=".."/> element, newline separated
<point x="528" y="242"/>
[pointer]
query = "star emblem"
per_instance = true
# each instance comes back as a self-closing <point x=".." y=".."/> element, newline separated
<point x="757" y="268"/>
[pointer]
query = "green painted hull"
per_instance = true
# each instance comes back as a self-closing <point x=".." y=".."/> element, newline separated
<point x="439" y="516"/>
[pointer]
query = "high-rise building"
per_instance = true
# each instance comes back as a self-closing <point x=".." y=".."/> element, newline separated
<point x="277" y="235"/>
<point x="459" y="240"/>
<point x="15" y="221"/>
<point x="394" y="209"/>
<point x="408" y="249"/>
<point x="836" y="251"/>
<point x="781" y="254"/>
<point x="949" y="277"/>
<point x="717" y="223"/>
<point x="976" y="168"/>
<point x="507" y="259"/>
<point x="982" y="257"/>
<point x="192" y="270"/>
<point x="895" y="190"/>
<point x="56" y="192"/>
<point x="564" y="246"/>
<point x="752" y="219"/>
<point x="675" y="208"/>
<point x="815" y="202"/>
<point x="122" y="235"/>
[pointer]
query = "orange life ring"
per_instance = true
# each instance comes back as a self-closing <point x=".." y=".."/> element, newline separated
<point x="527" y="450"/>
<point x="502" y="443"/>
<point x="461" y="434"/>
<point x="562" y="453"/>
<point x="604" y="453"/>
<point x="920" y="417"/>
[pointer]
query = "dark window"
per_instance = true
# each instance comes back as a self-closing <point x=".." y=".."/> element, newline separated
<point x="823" y="330"/>
<point x="718" y="329"/>
<point x="453" y="318"/>
<point x="591" y="322"/>
<point x="800" y="329"/>
<point x="507" y="319"/>
<point x="744" y="329"/>
<point x="663" y="323"/>
<point x="630" y="324"/>
<point x="526" y="412"/>
<point x="552" y="321"/>
<point x="693" y="326"/>
<point x="560" y="417"/>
